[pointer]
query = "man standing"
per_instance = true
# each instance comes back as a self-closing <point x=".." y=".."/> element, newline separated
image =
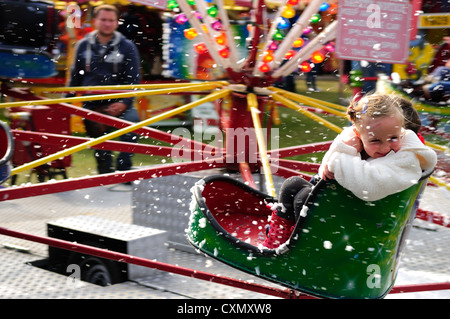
<point x="105" y="57"/>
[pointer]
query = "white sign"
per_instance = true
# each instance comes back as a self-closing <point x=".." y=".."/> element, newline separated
<point x="158" y="4"/>
<point x="374" y="30"/>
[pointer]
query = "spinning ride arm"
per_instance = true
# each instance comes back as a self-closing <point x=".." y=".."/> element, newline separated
<point x="131" y="128"/>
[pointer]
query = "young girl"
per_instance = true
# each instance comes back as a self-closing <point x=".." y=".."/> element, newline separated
<point x="373" y="158"/>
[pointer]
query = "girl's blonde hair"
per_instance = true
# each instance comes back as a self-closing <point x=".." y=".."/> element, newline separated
<point x="374" y="106"/>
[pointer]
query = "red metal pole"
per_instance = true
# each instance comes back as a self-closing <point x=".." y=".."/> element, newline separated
<point x="433" y="217"/>
<point x="69" y="141"/>
<point x="106" y="179"/>
<point x="257" y="27"/>
<point x="104" y="119"/>
<point x="104" y="253"/>
<point x="301" y="149"/>
<point x="420" y="287"/>
<point x="247" y="175"/>
<point x="239" y="137"/>
<point x="299" y="165"/>
<point x="287" y="172"/>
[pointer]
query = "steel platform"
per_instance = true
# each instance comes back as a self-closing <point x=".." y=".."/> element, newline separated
<point x="426" y="258"/>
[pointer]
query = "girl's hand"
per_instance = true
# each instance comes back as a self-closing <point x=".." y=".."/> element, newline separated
<point x="352" y="139"/>
<point x="327" y="174"/>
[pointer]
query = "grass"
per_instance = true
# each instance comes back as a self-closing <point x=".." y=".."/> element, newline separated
<point x="295" y="129"/>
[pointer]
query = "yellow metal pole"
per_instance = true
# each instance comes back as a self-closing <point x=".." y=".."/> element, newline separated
<point x="313" y="102"/>
<point x="253" y="106"/>
<point x="70" y="50"/>
<point x="126" y="87"/>
<point x="292" y="105"/>
<point x="436" y="146"/>
<point x="439" y="182"/>
<point x="82" y="146"/>
<point x="332" y="105"/>
<point x="430" y="109"/>
<point x="107" y="96"/>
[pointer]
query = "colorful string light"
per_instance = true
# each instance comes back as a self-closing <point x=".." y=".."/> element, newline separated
<point x="315" y="18"/>
<point x="330" y="47"/>
<point x="273" y="46"/>
<point x="200" y="48"/>
<point x="221" y="39"/>
<point x="172" y="4"/>
<point x="264" y="68"/>
<point x="212" y="11"/>
<point x="268" y="57"/>
<point x="305" y="67"/>
<point x="288" y="12"/>
<point x="289" y="54"/>
<point x="317" y="57"/>
<point x="283" y="23"/>
<point x="324" y="7"/>
<point x="298" y="43"/>
<point x="181" y="18"/>
<point x="224" y="53"/>
<point x="217" y="25"/>
<point x="190" y="33"/>
<point x="278" y="35"/>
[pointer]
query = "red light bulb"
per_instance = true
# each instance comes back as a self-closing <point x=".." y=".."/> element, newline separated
<point x="264" y="68"/>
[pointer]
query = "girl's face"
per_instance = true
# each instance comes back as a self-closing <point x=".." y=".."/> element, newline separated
<point x="381" y="135"/>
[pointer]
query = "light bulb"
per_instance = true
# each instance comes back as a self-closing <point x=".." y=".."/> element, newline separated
<point x="273" y="46"/>
<point x="288" y="12"/>
<point x="315" y="18"/>
<point x="305" y="66"/>
<point x="200" y="48"/>
<point x="317" y="57"/>
<point x="224" y="53"/>
<point x="221" y="39"/>
<point x="217" y="25"/>
<point x="298" y="43"/>
<point x="190" y="33"/>
<point x="268" y="57"/>
<point x="278" y="35"/>
<point x="289" y="54"/>
<point x="213" y="11"/>
<point x="181" y="18"/>
<point x="283" y="23"/>
<point x="264" y="68"/>
<point x="172" y="4"/>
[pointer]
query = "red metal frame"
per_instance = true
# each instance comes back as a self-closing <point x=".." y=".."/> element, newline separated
<point x="433" y="217"/>
<point x="69" y="141"/>
<point x="104" y="253"/>
<point x="198" y="274"/>
<point x="105" y="179"/>
<point x="26" y="95"/>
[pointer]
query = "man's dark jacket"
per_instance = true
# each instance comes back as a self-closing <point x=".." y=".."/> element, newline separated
<point x="116" y="63"/>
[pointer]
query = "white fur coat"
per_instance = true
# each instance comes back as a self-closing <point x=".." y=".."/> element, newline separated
<point x="373" y="179"/>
